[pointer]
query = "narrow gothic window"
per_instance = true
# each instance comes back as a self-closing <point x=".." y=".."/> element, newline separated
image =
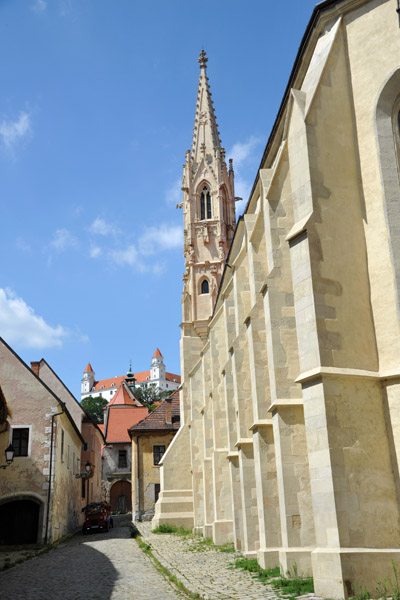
<point x="205" y="204"/>
<point x="205" y="287"/>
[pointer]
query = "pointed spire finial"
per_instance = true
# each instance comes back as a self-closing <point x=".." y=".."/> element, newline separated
<point x="203" y="60"/>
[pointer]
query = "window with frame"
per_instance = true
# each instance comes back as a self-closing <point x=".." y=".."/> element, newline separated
<point x="20" y="441"/>
<point x="204" y="288"/>
<point x="122" y="459"/>
<point x="158" y="453"/>
<point x="205" y="204"/>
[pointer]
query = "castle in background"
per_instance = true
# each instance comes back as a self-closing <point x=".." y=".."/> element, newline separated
<point x="289" y="443"/>
<point x="107" y="388"/>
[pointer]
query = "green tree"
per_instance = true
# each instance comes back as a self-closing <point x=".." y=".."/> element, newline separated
<point x="150" y="394"/>
<point x="94" y="407"/>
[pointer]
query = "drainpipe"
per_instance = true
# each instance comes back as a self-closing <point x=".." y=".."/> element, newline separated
<point x="51" y="469"/>
<point x="138" y="481"/>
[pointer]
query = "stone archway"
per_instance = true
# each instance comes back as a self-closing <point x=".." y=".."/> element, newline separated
<point x="121" y="497"/>
<point x="20" y="522"/>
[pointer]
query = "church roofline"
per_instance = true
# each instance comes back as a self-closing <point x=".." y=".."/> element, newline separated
<point x="319" y="9"/>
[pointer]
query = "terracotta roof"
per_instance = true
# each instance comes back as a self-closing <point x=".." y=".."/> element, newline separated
<point x="120" y="419"/>
<point x="88" y="369"/>
<point x="157" y="353"/>
<point x="105" y="384"/>
<point x="155" y="421"/>
<point x="101" y="427"/>
<point x="124" y="396"/>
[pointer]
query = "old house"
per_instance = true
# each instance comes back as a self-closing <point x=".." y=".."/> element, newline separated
<point x="40" y="497"/>
<point x="289" y="443"/>
<point x="91" y="451"/>
<point x="150" y="440"/>
<point x="121" y="413"/>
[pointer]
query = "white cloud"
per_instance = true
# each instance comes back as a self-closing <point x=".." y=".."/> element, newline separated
<point x="164" y="237"/>
<point x="39" y="6"/>
<point x="242" y="151"/>
<point x="245" y="157"/>
<point x="63" y="239"/>
<point x="129" y="256"/>
<point x="173" y="195"/>
<point x="95" y="251"/>
<point x="20" y="325"/>
<point x="22" y="245"/>
<point x="13" y="132"/>
<point x="101" y="227"/>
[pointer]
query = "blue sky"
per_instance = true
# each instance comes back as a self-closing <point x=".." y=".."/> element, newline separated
<point x="96" y="112"/>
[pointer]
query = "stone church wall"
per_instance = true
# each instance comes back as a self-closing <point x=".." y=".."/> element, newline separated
<point x="290" y="402"/>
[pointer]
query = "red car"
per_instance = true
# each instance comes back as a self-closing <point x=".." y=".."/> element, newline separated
<point x="97" y="517"/>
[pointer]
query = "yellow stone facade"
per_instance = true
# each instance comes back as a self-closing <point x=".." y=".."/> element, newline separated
<point x="290" y="401"/>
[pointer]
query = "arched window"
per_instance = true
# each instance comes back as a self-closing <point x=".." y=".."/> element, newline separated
<point x="205" y="288"/>
<point x="205" y="204"/>
<point x="387" y="126"/>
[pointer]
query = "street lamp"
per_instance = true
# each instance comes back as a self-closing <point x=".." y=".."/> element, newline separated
<point x="86" y="475"/>
<point x="9" y="456"/>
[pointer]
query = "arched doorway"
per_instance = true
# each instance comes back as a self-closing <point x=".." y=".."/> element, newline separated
<point x="19" y="522"/>
<point x="121" y="497"/>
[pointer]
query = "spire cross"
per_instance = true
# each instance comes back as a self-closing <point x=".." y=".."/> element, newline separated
<point x="203" y="60"/>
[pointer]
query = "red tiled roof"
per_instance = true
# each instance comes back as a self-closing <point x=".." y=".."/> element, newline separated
<point x="88" y="369"/>
<point x="157" y="353"/>
<point x="120" y="419"/>
<point x="105" y="384"/>
<point x="124" y="396"/>
<point x="155" y="421"/>
<point x="101" y="427"/>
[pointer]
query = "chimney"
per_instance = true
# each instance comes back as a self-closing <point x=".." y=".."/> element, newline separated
<point x="35" y="366"/>
<point x="168" y="411"/>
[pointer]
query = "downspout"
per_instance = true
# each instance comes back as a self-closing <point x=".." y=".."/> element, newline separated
<point x="51" y="469"/>
<point x="138" y="482"/>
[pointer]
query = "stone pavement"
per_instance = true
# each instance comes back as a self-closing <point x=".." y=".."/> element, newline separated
<point x="203" y="569"/>
<point x="103" y="566"/>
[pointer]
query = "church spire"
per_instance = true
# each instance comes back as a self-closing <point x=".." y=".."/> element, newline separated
<point x="208" y="213"/>
<point x="206" y="140"/>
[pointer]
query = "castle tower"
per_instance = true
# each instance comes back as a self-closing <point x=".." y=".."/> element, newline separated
<point x="208" y="213"/>
<point x="87" y="381"/>
<point x="157" y="368"/>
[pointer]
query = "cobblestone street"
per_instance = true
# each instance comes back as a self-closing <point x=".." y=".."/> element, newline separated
<point x="111" y="566"/>
<point x="104" y="566"/>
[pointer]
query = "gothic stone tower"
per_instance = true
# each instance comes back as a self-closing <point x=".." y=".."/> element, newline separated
<point x="208" y="213"/>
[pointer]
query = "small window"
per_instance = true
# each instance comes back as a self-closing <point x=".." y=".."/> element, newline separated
<point x="176" y="419"/>
<point x="68" y="457"/>
<point x="156" y="491"/>
<point x="83" y="487"/>
<point x="102" y="387"/>
<point x="20" y="441"/>
<point x="113" y="384"/>
<point x="205" y="287"/>
<point x="122" y="459"/>
<point x="158" y="453"/>
<point x="73" y="464"/>
<point x="85" y="446"/>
